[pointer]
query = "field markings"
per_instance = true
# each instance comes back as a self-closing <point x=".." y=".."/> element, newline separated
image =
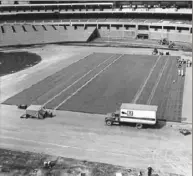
<point x="65" y="100"/>
<point x="144" y="84"/>
<point x="157" y="82"/>
<point x="76" y="81"/>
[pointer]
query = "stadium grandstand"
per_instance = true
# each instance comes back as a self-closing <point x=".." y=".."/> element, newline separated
<point x="35" y="22"/>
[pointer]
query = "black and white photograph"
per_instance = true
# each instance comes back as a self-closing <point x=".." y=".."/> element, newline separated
<point x="95" y="88"/>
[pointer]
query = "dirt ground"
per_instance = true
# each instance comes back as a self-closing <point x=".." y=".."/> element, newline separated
<point x="28" y="163"/>
<point x="165" y="149"/>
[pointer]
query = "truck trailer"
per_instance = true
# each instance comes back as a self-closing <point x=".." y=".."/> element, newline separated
<point x="133" y="113"/>
<point x="36" y="111"/>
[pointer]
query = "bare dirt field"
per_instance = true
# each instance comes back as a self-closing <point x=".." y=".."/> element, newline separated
<point x="85" y="136"/>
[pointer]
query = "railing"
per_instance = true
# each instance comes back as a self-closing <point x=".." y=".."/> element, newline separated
<point x="104" y="21"/>
<point x="90" y="10"/>
<point x="59" y="4"/>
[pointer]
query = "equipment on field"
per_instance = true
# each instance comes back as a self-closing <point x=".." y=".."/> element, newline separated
<point x="184" y="132"/>
<point x="22" y="106"/>
<point x="171" y="45"/>
<point x="49" y="164"/>
<point x="133" y="113"/>
<point x="167" y="53"/>
<point x="165" y="41"/>
<point x="155" y="51"/>
<point x="161" y="53"/>
<point x="37" y="111"/>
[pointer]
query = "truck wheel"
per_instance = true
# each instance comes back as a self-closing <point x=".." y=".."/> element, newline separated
<point x="139" y="125"/>
<point x="108" y="122"/>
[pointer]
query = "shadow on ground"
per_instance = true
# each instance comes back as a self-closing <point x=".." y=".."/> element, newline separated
<point x="159" y="125"/>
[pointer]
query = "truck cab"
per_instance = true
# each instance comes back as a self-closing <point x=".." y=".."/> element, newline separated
<point x="112" y="118"/>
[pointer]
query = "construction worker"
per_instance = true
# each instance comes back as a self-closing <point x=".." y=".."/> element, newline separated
<point x="182" y="72"/>
<point x="187" y="63"/>
<point x="149" y="171"/>
<point x="179" y="72"/>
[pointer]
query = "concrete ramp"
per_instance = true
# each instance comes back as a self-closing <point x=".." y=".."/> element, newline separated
<point x="50" y="35"/>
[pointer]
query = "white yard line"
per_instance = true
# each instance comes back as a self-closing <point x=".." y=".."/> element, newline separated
<point x="75" y="82"/>
<point x="86" y="83"/>
<point x="144" y="84"/>
<point x="157" y="82"/>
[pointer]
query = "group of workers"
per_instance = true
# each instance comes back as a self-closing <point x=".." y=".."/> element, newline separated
<point x="180" y="65"/>
<point x="50" y="164"/>
<point x="180" y="62"/>
<point x="149" y="171"/>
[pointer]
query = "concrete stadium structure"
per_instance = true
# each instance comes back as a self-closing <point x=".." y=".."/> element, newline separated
<point x="114" y="19"/>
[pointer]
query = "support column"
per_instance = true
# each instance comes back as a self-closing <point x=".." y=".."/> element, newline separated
<point x="123" y="31"/>
<point x="136" y="30"/>
<point x="162" y="32"/>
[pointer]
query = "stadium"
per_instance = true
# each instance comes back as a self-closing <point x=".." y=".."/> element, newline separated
<point x="81" y="60"/>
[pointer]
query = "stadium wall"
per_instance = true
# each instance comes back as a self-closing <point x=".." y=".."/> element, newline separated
<point x="50" y="36"/>
<point x="158" y="35"/>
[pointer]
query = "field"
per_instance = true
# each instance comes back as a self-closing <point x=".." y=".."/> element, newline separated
<point x="99" y="83"/>
<point x="85" y="136"/>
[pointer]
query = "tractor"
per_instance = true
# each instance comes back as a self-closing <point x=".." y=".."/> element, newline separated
<point x="165" y="41"/>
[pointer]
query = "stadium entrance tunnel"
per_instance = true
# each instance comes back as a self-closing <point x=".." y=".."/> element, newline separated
<point x="16" y="61"/>
<point x="142" y="36"/>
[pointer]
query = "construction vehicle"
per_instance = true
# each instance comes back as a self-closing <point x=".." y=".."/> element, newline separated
<point x="155" y="51"/>
<point x="165" y="41"/>
<point x="133" y="113"/>
<point x="22" y="106"/>
<point x="184" y="132"/>
<point x="37" y="111"/>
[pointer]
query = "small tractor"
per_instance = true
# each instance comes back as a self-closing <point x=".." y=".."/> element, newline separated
<point x="165" y="41"/>
<point x="36" y="111"/>
<point x="155" y="51"/>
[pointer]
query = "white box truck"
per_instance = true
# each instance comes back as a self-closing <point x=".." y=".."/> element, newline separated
<point x="36" y="111"/>
<point x="133" y="113"/>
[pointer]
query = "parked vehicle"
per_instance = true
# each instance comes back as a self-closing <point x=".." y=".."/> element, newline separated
<point x="165" y="41"/>
<point x="22" y="106"/>
<point x="133" y="113"/>
<point x="37" y="111"/>
<point x="155" y="51"/>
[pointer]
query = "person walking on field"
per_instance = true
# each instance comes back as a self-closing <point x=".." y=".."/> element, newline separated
<point x="149" y="171"/>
